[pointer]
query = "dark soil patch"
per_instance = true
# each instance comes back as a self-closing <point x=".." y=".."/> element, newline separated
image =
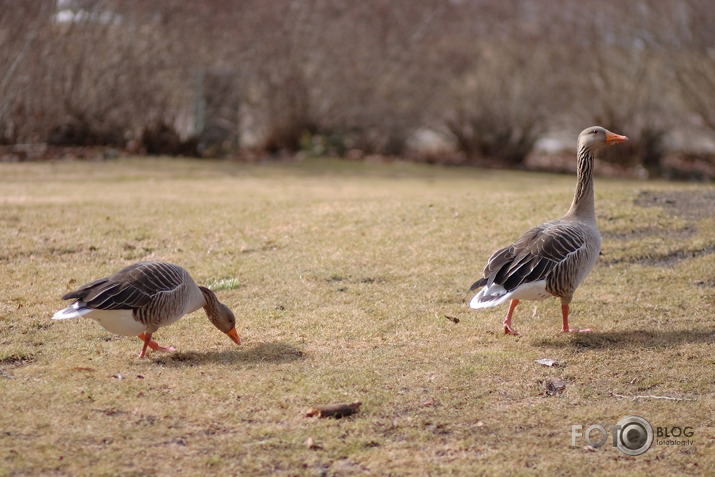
<point x="629" y="339"/>
<point x="650" y="230"/>
<point x="664" y="259"/>
<point x="690" y="205"/>
<point x="17" y="358"/>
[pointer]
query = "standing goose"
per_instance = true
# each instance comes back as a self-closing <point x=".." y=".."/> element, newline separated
<point x="143" y="297"/>
<point x="551" y="259"/>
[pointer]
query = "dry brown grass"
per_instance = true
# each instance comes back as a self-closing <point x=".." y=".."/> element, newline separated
<point x="345" y="276"/>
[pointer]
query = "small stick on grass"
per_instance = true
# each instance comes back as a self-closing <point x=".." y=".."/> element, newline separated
<point x="334" y="410"/>
<point x="651" y="397"/>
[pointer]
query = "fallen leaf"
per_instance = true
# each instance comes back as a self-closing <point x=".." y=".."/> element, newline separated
<point x="334" y="410"/>
<point x="452" y="319"/>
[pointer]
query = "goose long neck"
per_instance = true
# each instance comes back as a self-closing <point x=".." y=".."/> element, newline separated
<point x="212" y="304"/>
<point x="583" y="200"/>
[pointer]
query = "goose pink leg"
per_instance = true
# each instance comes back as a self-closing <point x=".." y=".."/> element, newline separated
<point x="565" y="328"/>
<point x="508" y="330"/>
<point x="148" y="342"/>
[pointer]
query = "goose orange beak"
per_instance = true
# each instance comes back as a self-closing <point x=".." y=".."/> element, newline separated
<point x="233" y="334"/>
<point x="613" y="138"/>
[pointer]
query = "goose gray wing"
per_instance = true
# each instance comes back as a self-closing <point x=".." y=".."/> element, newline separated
<point x="130" y="288"/>
<point x="539" y="253"/>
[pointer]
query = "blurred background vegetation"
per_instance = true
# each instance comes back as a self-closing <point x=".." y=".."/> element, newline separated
<point x="500" y="82"/>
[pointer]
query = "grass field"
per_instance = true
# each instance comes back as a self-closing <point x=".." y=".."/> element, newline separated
<point x="347" y="280"/>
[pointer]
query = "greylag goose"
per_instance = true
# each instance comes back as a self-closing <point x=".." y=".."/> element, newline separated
<point x="551" y="259"/>
<point x="141" y="298"/>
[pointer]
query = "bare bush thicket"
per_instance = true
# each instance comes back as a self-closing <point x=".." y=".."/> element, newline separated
<point x="628" y="79"/>
<point x="330" y="76"/>
<point x="348" y="72"/>
<point x="695" y="67"/>
<point x="23" y="28"/>
<point x="496" y="96"/>
<point x="95" y="79"/>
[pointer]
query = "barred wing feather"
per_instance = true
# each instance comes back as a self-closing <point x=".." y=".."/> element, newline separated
<point x="533" y="257"/>
<point x="131" y="288"/>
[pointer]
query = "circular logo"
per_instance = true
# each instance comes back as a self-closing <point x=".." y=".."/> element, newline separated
<point x="635" y="435"/>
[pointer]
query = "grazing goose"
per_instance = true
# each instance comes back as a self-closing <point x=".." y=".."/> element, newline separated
<point x="551" y="259"/>
<point x="143" y="297"/>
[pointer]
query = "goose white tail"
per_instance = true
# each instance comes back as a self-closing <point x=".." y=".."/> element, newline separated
<point x="75" y="310"/>
<point x="488" y="297"/>
<point x="495" y="295"/>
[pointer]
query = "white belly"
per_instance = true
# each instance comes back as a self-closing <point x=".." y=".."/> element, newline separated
<point x="120" y="322"/>
<point x="530" y="291"/>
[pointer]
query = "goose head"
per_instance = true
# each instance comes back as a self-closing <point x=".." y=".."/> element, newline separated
<point x="220" y="315"/>
<point x="596" y="137"/>
<point x="223" y="318"/>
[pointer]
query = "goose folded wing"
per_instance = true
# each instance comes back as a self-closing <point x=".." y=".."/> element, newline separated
<point x="151" y="278"/>
<point x="130" y="288"/>
<point x="531" y="258"/>
<point x="111" y="296"/>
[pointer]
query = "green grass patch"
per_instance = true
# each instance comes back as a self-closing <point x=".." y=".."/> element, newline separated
<point x="349" y="283"/>
<point x="224" y="284"/>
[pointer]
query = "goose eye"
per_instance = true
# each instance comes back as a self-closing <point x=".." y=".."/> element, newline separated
<point x="595" y="131"/>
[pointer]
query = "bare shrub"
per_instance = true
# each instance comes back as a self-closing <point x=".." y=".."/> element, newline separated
<point x="347" y="71"/>
<point x="288" y="115"/>
<point x="695" y="70"/>
<point x="623" y="104"/>
<point x="622" y="74"/>
<point x="92" y="75"/>
<point x="23" y="27"/>
<point x="274" y="52"/>
<point x="161" y="139"/>
<point x="217" y="114"/>
<point x="490" y="116"/>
